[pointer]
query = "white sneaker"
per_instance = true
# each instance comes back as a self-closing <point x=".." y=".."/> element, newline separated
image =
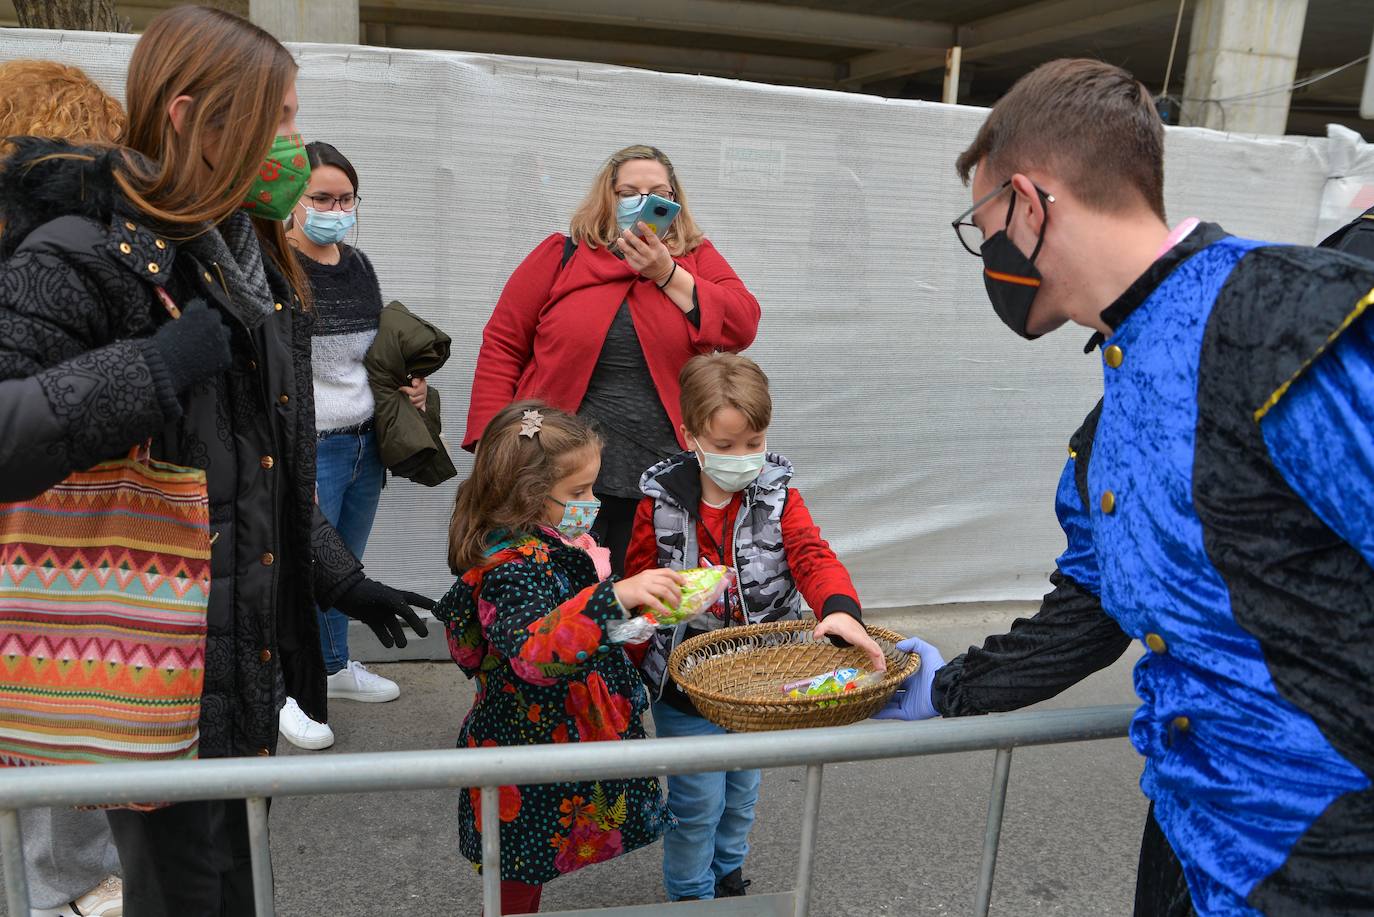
<point x="105" y="900"/>
<point x="300" y="730"/>
<point x="354" y="682"/>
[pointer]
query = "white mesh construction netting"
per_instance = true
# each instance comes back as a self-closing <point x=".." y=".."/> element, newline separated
<point x="928" y="439"/>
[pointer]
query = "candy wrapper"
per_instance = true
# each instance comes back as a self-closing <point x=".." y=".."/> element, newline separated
<point x="836" y="681"/>
<point x="704" y="587"/>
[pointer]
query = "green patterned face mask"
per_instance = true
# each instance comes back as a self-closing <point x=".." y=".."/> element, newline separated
<point x="281" y="180"/>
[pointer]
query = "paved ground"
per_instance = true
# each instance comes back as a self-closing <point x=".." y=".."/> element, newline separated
<point x="902" y="837"/>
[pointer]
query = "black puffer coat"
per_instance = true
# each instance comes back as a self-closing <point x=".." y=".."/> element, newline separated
<point x="77" y="305"/>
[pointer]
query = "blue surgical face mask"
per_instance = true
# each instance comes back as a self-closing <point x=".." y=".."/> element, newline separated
<point x="732" y="473"/>
<point x="627" y="211"/>
<point x="328" y="227"/>
<point x="578" y="517"/>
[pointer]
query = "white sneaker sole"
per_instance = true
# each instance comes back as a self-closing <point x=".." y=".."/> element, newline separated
<point x="367" y="697"/>
<point x="307" y="744"/>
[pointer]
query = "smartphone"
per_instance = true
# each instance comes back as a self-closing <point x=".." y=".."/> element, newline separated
<point x="656" y="213"/>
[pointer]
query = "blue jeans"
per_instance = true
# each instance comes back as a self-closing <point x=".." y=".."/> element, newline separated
<point x="714" y="812"/>
<point x="348" y="482"/>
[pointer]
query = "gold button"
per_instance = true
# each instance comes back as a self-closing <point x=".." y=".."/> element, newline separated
<point x="153" y="268"/>
<point x="125" y="247"/>
<point x="1114" y="356"/>
<point x="159" y="243"/>
<point x="252" y="364"/>
<point x="1155" y="642"/>
<point x="1108" y="502"/>
<point x="129" y="226"/>
<point x="277" y="307"/>
<point x="283" y="398"/>
<point x="266" y="461"/>
<point x="1182" y="724"/>
<point x="264" y="752"/>
<point x="208" y="278"/>
<point x="268" y="560"/>
<point x="265" y="655"/>
<point x="1072" y="454"/>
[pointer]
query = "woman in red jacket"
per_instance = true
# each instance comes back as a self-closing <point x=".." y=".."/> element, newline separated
<point x="601" y="321"/>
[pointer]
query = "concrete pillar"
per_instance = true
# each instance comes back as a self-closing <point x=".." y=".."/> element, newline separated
<point x="1240" y="47"/>
<point x="333" y="21"/>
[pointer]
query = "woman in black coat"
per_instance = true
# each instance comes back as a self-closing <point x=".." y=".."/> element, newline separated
<point x="94" y="240"/>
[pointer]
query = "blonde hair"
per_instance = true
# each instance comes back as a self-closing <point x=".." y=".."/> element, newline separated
<point x="512" y="477"/>
<point x="47" y="99"/>
<point x="594" y="222"/>
<point x="713" y="381"/>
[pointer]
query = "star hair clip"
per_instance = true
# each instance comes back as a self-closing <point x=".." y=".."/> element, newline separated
<point x="531" y="422"/>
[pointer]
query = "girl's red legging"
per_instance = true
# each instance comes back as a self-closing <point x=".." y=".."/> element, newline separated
<point x="520" y="897"/>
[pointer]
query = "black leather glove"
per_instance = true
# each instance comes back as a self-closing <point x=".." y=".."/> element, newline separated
<point x="194" y="347"/>
<point x="379" y="606"/>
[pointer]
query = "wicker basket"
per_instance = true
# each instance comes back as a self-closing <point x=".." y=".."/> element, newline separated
<point x="735" y="676"/>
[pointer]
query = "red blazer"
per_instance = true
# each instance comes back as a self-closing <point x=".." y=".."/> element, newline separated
<point x="546" y="332"/>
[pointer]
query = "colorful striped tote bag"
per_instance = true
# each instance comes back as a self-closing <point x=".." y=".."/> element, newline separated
<point x="104" y="584"/>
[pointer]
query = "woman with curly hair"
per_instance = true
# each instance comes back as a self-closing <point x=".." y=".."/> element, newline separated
<point x="69" y="855"/>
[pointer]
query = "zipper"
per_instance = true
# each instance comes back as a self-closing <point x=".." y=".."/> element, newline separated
<point x="220" y="273"/>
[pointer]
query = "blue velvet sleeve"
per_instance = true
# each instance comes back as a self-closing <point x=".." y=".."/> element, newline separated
<point x="1079" y="561"/>
<point x="1320" y="436"/>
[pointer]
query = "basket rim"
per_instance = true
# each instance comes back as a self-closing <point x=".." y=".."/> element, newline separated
<point x="908" y="668"/>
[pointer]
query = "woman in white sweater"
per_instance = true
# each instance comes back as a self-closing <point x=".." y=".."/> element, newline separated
<point x="349" y="472"/>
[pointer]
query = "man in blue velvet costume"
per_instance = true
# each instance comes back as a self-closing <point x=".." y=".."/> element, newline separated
<point x="1218" y="504"/>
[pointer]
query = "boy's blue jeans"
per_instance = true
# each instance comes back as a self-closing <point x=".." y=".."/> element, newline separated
<point x="714" y="813"/>
<point x="348" y="484"/>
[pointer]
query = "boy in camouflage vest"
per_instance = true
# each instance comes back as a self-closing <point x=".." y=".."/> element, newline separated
<point x="728" y="502"/>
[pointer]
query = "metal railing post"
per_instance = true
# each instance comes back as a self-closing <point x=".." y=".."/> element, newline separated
<point x="810" y="827"/>
<point x="12" y="850"/>
<point x="1001" y="773"/>
<point x="491" y="851"/>
<point x="260" y="845"/>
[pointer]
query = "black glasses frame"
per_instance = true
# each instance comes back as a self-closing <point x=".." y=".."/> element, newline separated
<point x="963" y="218"/>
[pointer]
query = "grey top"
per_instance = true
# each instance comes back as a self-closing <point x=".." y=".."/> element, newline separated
<point x="623" y="404"/>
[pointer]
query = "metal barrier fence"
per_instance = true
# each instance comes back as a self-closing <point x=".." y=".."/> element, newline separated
<point x="258" y="779"/>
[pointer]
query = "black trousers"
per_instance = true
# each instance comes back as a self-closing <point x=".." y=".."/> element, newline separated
<point x="188" y="859"/>
<point x="614" y="522"/>
<point x="1160" y="887"/>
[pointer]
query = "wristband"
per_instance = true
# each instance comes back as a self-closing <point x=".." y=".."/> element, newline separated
<point x="669" y="280"/>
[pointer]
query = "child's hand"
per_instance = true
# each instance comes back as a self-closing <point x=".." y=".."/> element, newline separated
<point x="842" y="625"/>
<point x="660" y="590"/>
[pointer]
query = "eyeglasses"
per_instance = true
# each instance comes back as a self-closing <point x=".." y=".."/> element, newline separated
<point x="329" y="201"/>
<point x="626" y="194"/>
<point x="970" y="236"/>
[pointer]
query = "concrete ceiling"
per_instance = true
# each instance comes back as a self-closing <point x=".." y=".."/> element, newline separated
<point x="888" y="47"/>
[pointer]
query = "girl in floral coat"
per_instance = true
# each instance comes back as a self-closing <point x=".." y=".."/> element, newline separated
<point x="528" y="621"/>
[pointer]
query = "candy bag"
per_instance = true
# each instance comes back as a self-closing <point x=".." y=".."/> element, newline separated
<point x="704" y="587"/>
<point x="836" y="681"/>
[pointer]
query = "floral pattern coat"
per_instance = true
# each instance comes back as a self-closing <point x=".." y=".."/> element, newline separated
<point x="529" y="626"/>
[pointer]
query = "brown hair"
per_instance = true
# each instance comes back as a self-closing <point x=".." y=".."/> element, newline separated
<point x="1092" y="123"/>
<point x="712" y="381"/>
<point x="512" y="477"/>
<point x="594" y="222"/>
<point x="236" y="74"/>
<point x="47" y="99"/>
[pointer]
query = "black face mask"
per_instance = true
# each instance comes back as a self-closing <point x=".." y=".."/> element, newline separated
<point x="1010" y="277"/>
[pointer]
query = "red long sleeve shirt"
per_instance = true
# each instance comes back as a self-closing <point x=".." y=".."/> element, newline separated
<point x="822" y="579"/>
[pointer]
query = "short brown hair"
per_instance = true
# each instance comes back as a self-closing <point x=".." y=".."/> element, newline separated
<point x="47" y="99"/>
<point x="512" y="477"/>
<point x="1092" y="123"/>
<point x="594" y="221"/>
<point x="712" y="381"/>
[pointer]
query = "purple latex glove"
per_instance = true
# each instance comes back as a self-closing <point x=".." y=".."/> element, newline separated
<point x="912" y="700"/>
